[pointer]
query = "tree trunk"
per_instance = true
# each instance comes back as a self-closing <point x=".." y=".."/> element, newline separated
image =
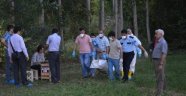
<point x="12" y="10"/>
<point x="120" y="17"/>
<point x="147" y="22"/>
<point x="60" y="25"/>
<point x="42" y="16"/>
<point x="135" y="21"/>
<point x="115" y="17"/>
<point x="88" y="13"/>
<point x="101" y="18"/>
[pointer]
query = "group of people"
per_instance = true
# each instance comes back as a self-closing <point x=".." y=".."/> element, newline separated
<point x="111" y="49"/>
<point x="127" y="47"/>
<point x="17" y="56"/>
<point x="90" y="47"/>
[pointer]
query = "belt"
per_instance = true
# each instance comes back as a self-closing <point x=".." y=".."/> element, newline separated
<point x="53" y="51"/>
<point x="128" y="52"/>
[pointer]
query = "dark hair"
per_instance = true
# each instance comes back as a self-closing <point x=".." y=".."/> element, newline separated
<point x="55" y="30"/>
<point x="92" y="34"/>
<point x="111" y="33"/>
<point x="80" y="29"/>
<point x="17" y="28"/>
<point x="39" y="47"/>
<point x="124" y="31"/>
<point x="9" y="27"/>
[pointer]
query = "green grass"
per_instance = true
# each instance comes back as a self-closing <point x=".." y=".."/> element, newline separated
<point x="72" y="83"/>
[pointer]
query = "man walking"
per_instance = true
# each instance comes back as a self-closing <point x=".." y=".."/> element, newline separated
<point x="84" y="43"/>
<point x="53" y="43"/>
<point x="159" y="59"/>
<point x="19" y="56"/>
<point x="114" y="56"/>
<point x="136" y="50"/>
<point x="128" y="45"/>
<point x="102" y="46"/>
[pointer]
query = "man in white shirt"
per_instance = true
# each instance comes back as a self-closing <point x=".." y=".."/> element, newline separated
<point x="133" y="63"/>
<point x="19" y="56"/>
<point x="53" y="43"/>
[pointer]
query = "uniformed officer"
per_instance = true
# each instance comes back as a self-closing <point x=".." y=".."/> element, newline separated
<point x="128" y="45"/>
<point x="17" y="46"/>
<point x="53" y="43"/>
<point x="136" y="51"/>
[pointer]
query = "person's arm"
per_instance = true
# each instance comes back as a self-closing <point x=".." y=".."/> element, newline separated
<point x="164" y="53"/>
<point x="10" y="51"/>
<point x="23" y="47"/>
<point x="3" y="42"/>
<point x="108" y="45"/>
<point x="143" y="49"/>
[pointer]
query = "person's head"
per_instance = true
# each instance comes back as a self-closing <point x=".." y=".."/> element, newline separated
<point x="17" y="30"/>
<point x="129" y="31"/>
<point x="82" y="32"/>
<point x="101" y="34"/>
<point x="40" y="49"/>
<point x="112" y="35"/>
<point x="159" y="33"/>
<point x="124" y="33"/>
<point x="55" y="30"/>
<point x="10" y="28"/>
<point x="92" y="35"/>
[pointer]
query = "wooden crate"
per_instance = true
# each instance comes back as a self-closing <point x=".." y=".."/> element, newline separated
<point x="45" y="71"/>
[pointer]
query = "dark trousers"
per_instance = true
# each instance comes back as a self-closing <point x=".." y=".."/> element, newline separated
<point x="54" y="63"/>
<point x="20" y="68"/>
<point x="127" y="59"/>
<point x="38" y="68"/>
<point x="160" y="77"/>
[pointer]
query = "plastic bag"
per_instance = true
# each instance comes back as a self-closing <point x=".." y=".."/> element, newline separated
<point x="100" y="64"/>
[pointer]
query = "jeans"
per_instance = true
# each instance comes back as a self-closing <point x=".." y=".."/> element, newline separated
<point x="20" y="66"/>
<point x="8" y="67"/>
<point x="54" y="63"/>
<point x="115" y="63"/>
<point x="85" y="65"/>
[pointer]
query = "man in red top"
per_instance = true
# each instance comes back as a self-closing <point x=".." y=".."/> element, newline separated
<point x="84" y="43"/>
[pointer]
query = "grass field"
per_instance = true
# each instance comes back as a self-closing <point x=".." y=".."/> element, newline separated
<point x="73" y="85"/>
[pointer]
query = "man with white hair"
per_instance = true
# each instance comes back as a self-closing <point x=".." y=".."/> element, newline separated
<point x="136" y="51"/>
<point x="159" y="59"/>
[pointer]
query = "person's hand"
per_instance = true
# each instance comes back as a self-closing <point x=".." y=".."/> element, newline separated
<point x="160" y="66"/>
<point x="11" y="61"/>
<point x="139" y="55"/>
<point x="73" y="53"/>
<point x="27" y="58"/>
<point x="161" y="62"/>
<point x="146" y="54"/>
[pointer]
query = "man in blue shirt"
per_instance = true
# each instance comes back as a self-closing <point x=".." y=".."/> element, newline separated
<point x="4" y="40"/>
<point x="102" y="45"/>
<point x="128" y="46"/>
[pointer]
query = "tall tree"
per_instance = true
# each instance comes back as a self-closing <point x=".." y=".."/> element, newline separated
<point x="115" y="27"/>
<point x="60" y="22"/>
<point x="147" y="21"/>
<point x="120" y="16"/>
<point x="42" y="16"/>
<point x="88" y="13"/>
<point x="135" y="21"/>
<point x="12" y="10"/>
<point x="101" y="15"/>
